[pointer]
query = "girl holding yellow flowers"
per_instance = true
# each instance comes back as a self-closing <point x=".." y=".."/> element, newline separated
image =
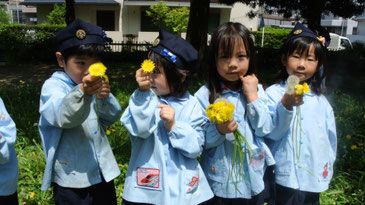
<point x="237" y="118"/>
<point x="165" y="126"/>
<point x="305" y="148"/>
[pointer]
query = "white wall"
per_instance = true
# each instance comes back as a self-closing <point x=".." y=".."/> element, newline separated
<point x="239" y="14"/>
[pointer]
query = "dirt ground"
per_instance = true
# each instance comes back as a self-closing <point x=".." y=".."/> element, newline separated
<point x="15" y="74"/>
<point x="12" y="74"/>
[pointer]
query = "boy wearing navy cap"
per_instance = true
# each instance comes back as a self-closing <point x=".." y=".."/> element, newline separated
<point x="80" y="165"/>
<point x="164" y="122"/>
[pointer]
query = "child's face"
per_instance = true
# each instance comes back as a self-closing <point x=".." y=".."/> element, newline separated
<point x="159" y="82"/>
<point x="230" y="68"/>
<point x="302" y="65"/>
<point x="76" y="67"/>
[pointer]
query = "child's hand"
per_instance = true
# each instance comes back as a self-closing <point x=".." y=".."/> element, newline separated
<point x="143" y="80"/>
<point x="167" y="113"/>
<point x="104" y="90"/>
<point x="227" y="127"/>
<point x="291" y="100"/>
<point x="91" y="84"/>
<point x="249" y="87"/>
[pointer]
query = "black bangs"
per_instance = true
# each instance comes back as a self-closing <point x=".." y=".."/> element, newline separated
<point x="95" y="51"/>
<point x="227" y="41"/>
<point x="302" y="46"/>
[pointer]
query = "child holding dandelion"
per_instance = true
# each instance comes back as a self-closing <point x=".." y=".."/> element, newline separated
<point x="235" y="155"/>
<point x="305" y="148"/>
<point x="164" y="122"/>
<point x="74" y="107"/>
<point x="8" y="160"/>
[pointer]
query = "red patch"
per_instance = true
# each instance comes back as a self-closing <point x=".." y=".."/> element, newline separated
<point x="325" y="171"/>
<point x="193" y="181"/>
<point x="148" y="177"/>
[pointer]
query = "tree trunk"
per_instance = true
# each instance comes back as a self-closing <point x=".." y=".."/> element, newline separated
<point x="198" y="25"/>
<point x="70" y="11"/>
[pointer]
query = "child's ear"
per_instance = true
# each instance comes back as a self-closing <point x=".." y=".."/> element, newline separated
<point x="60" y="60"/>
<point x="283" y="60"/>
<point x="183" y="77"/>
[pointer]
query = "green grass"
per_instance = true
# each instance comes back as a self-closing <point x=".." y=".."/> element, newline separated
<point x="22" y="102"/>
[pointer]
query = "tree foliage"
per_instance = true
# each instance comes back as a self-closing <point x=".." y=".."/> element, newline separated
<point x="310" y="10"/>
<point x="174" y="20"/>
<point x="4" y="17"/>
<point x="58" y="14"/>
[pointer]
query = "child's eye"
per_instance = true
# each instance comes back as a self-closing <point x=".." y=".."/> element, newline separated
<point x="295" y="56"/>
<point x="80" y="62"/>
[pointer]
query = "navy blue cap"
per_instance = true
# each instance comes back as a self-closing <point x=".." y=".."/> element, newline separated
<point x="300" y="30"/>
<point x="79" y="33"/>
<point x="177" y="50"/>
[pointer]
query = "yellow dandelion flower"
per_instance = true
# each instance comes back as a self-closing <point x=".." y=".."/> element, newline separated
<point x="113" y="130"/>
<point x="306" y="88"/>
<point x="32" y="194"/>
<point x="147" y="66"/>
<point x="33" y="153"/>
<point x="120" y="165"/>
<point x="20" y="81"/>
<point x="348" y="137"/>
<point x="97" y="69"/>
<point x="107" y="132"/>
<point x="299" y="89"/>
<point x="353" y="147"/>
<point x="220" y="112"/>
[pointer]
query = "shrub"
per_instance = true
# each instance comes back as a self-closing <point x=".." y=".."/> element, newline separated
<point x="273" y="38"/>
<point x="27" y="43"/>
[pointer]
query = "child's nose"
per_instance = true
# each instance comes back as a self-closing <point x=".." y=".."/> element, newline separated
<point x="301" y="63"/>
<point x="233" y="63"/>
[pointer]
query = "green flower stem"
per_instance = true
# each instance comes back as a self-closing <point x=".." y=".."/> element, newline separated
<point x="298" y="147"/>
<point x="239" y="140"/>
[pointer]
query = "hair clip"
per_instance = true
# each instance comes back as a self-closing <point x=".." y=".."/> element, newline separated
<point x="322" y="40"/>
<point x="168" y="54"/>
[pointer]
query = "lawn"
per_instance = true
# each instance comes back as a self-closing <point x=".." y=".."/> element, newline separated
<point x="20" y="92"/>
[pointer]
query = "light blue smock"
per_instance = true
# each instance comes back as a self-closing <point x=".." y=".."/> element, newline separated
<point x="315" y="146"/>
<point x="8" y="161"/>
<point x="77" y="151"/>
<point x="163" y="168"/>
<point x="254" y="122"/>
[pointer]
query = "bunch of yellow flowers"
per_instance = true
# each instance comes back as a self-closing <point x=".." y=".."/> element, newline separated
<point x="221" y="111"/>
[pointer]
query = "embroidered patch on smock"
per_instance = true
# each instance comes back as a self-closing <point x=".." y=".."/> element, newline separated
<point x="325" y="171"/>
<point x="213" y="169"/>
<point x="193" y="184"/>
<point x="3" y="116"/>
<point x="257" y="160"/>
<point x="148" y="177"/>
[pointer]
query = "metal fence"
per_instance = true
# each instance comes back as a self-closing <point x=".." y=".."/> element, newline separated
<point x="128" y="46"/>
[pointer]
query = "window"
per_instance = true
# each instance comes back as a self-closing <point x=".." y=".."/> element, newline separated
<point x="345" y="43"/>
<point x="146" y="23"/>
<point x="106" y="20"/>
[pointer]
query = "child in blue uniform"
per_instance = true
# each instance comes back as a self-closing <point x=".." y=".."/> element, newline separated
<point x="164" y="122"/>
<point x="80" y="164"/>
<point x="231" y="65"/>
<point x="8" y="161"/>
<point x="304" y="158"/>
